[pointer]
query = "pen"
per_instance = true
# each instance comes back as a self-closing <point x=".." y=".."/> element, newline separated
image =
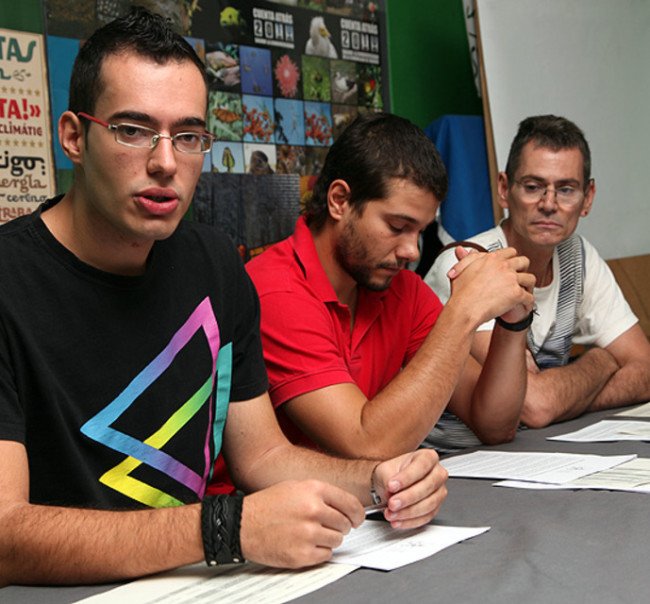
<point x="371" y="509"/>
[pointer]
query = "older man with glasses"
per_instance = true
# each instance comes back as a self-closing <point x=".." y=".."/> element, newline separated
<point x="547" y="188"/>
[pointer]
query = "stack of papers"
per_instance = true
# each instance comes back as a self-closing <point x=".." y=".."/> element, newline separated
<point x="632" y="476"/>
<point x="568" y="470"/>
<point x="554" y="470"/>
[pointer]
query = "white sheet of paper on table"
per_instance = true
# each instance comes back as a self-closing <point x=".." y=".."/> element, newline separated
<point x="608" y="430"/>
<point x="376" y="545"/>
<point x="638" y="411"/>
<point x="225" y="585"/>
<point x="555" y="468"/>
<point x="632" y="476"/>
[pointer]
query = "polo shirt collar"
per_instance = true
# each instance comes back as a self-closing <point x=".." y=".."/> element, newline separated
<point x="305" y="250"/>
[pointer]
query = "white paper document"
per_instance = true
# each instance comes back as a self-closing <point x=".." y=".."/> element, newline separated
<point x="633" y="476"/>
<point x="376" y="545"/>
<point x="608" y="430"/>
<point x="638" y="411"/>
<point x="227" y="585"/>
<point x="555" y="468"/>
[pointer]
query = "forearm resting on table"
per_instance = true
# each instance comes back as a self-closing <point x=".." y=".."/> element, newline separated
<point x="560" y="393"/>
<point x="55" y="545"/>
<point x="412" y="484"/>
<point x="255" y="463"/>
<point x="289" y="461"/>
<point x="630" y="384"/>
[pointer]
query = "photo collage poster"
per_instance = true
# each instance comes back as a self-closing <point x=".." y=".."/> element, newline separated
<point x="285" y="78"/>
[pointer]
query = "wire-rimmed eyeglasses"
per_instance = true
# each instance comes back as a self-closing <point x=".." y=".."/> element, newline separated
<point x="532" y="191"/>
<point x="141" y="137"/>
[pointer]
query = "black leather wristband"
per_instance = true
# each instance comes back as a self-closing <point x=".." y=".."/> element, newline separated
<point x="519" y="326"/>
<point x="220" y="526"/>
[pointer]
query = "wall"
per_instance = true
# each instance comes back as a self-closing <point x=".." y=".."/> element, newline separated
<point x="429" y="61"/>
<point x="590" y="66"/>
<point x="22" y="15"/>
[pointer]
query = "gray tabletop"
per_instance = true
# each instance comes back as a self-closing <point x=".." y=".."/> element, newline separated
<point x="543" y="546"/>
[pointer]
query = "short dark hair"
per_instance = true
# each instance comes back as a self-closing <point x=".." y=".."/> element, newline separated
<point x="372" y="150"/>
<point x="551" y="132"/>
<point x="141" y="32"/>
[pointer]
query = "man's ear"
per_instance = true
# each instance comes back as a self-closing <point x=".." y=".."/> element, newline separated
<point x="71" y="136"/>
<point x="502" y="190"/>
<point x="338" y="196"/>
<point x="589" y="198"/>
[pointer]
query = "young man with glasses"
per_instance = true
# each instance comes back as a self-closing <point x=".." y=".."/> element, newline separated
<point x="130" y="356"/>
<point x="547" y="188"/>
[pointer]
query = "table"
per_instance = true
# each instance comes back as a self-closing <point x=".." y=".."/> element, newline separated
<point x="543" y="547"/>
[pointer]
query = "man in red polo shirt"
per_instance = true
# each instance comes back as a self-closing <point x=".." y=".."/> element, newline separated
<point x="361" y="355"/>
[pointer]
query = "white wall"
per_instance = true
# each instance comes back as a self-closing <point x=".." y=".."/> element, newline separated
<point x="589" y="61"/>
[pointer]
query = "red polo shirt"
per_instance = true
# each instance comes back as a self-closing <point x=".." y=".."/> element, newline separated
<point x="306" y="336"/>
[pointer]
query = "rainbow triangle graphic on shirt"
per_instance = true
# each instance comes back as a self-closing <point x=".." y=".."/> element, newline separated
<point x="150" y="451"/>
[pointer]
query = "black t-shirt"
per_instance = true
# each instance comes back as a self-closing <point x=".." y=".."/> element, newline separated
<point x="119" y="386"/>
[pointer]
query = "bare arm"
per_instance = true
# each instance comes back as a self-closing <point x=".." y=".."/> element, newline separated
<point x="290" y="523"/>
<point x="631" y="383"/>
<point x="490" y="398"/>
<point x="490" y="395"/>
<point x="412" y="485"/>
<point x="45" y="544"/>
<point x="560" y="393"/>
<point x="599" y="379"/>
<point x="340" y="418"/>
<point x="298" y="523"/>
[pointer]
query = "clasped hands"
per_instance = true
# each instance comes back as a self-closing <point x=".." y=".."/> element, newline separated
<point x="496" y="284"/>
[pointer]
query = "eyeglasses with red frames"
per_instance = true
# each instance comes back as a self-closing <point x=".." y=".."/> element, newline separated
<point x="141" y="137"/>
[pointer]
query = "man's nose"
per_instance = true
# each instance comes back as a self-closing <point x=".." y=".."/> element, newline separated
<point x="548" y="202"/>
<point x="409" y="248"/>
<point x="162" y="158"/>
